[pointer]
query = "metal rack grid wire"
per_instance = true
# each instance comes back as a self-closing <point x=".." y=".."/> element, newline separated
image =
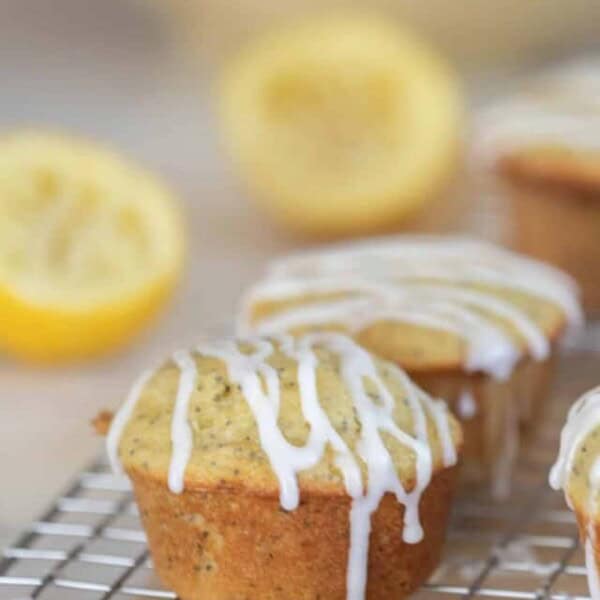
<point x="89" y="545"/>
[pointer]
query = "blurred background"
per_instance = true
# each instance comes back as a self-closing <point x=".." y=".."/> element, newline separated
<point x="139" y="77"/>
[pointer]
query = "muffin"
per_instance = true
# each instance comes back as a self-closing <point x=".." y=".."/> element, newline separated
<point x="577" y="472"/>
<point x="543" y="144"/>
<point x="471" y="323"/>
<point x="277" y="468"/>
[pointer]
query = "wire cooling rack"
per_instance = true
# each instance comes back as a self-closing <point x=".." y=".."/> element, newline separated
<point x="90" y="545"/>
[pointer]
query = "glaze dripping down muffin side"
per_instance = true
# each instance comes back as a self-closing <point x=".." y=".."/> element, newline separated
<point x="287" y="467"/>
<point x="577" y="472"/>
<point x="470" y="322"/>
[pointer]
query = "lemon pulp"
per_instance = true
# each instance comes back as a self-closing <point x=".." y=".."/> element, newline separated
<point x="91" y="246"/>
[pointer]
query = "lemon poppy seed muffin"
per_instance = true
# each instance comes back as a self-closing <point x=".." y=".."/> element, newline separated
<point x="543" y="143"/>
<point x="276" y="468"/>
<point x="471" y="323"/>
<point x="577" y="472"/>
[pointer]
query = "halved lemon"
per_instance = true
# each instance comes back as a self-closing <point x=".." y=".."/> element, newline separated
<point x="90" y="247"/>
<point x="342" y="124"/>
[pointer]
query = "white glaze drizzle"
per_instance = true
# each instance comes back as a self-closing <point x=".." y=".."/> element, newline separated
<point x="583" y="418"/>
<point x="591" y="541"/>
<point x="260" y="385"/>
<point x="181" y="433"/>
<point x="561" y="107"/>
<point x="420" y="280"/>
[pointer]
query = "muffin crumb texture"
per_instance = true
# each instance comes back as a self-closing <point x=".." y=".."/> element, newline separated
<point x="425" y="302"/>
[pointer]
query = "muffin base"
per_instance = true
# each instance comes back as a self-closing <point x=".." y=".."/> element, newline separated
<point x="498" y="411"/>
<point x="226" y="544"/>
<point x="561" y="227"/>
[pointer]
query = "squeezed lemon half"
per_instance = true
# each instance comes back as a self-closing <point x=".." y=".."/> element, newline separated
<point x="342" y="125"/>
<point x="90" y="248"/>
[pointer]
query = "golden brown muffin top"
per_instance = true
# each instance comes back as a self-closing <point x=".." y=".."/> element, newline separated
<point x="259" y="415"/>
<point x="556" y="169"/>
<point x="547" y="132"/>
<point x="426" y="303"/>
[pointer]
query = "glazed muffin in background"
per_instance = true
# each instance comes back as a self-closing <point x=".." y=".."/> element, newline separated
<point x="577" y="472"/>
<point x="287" y="468"/>
<point x="543" y="143"/>
<point x="471" y="323"/>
